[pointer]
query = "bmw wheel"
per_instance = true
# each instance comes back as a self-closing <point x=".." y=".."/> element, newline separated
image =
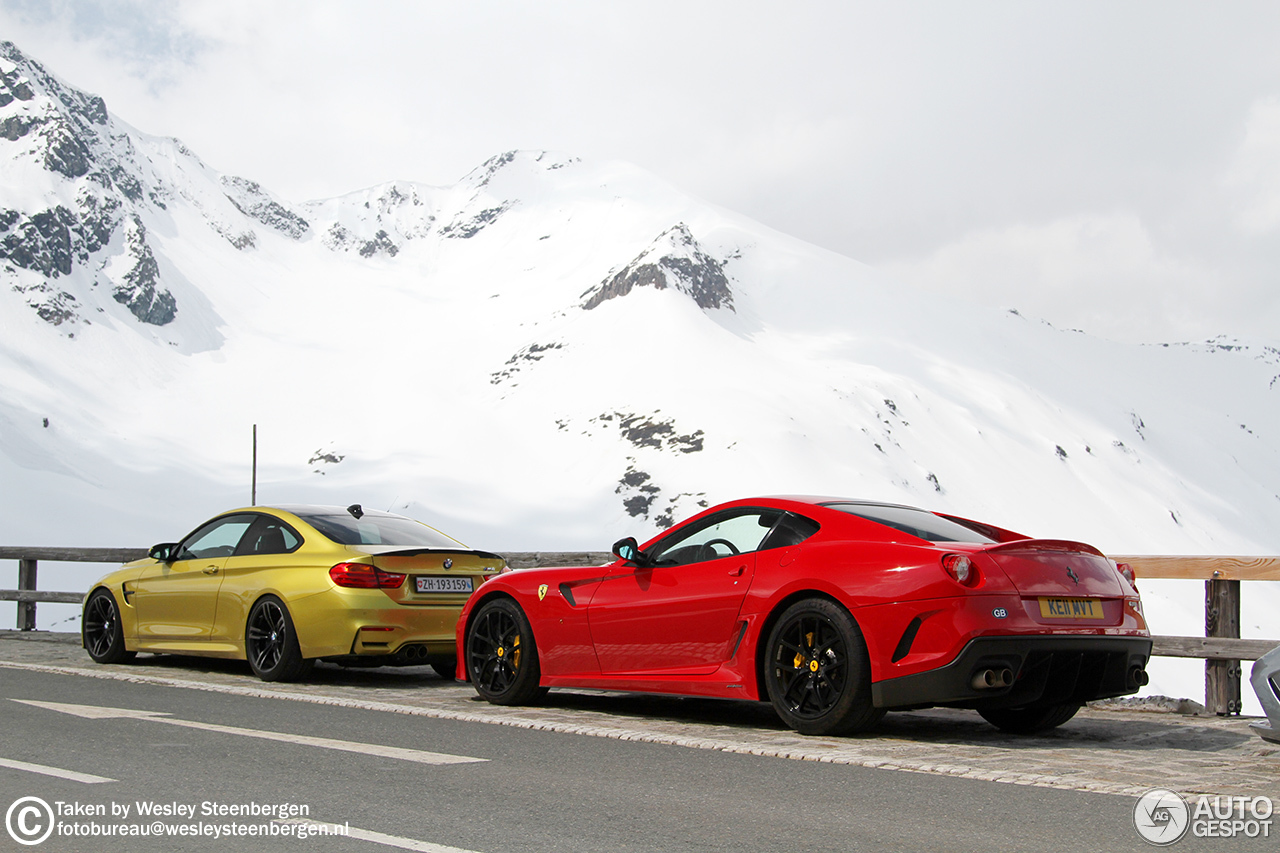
<point x="100" y="629"/>
<point x="502" y="659"/>
<point x="271" y="644"/>
<point x="446" y="669"/>
<point x="817" y="671"/>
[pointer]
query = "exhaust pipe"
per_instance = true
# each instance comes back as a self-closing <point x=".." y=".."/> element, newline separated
<point x="411" y="653"/>
<point x="990" y="679"/>
<point x="1139" y="676"/>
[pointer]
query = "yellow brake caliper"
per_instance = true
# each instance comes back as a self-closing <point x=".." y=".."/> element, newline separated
<point x="799" y="660"/>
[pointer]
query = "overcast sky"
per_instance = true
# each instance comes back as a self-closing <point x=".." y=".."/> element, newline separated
<point x="1110" y="166"/>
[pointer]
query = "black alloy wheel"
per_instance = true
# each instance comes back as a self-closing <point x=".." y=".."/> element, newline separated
<point x="1027" y="721"/>
<point x="817" y="672"/>
<point x="271" y="644"/>
<point x="100" y="629"/>
<point x="501" y="656"/>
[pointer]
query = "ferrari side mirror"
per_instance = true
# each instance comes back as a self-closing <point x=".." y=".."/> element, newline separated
<point x="629" y="550"/>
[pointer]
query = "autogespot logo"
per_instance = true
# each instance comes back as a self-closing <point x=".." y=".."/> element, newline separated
<point x="29" y="821"/>
<point x="1161" y="817"/>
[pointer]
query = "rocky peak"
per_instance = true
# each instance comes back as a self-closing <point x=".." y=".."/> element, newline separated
<point x="510" y="162"/>
<point x="673" y="260"/>
<point x="62" y="142"/>
<point x="254" y="202"/>
<point x="62" y="124"/>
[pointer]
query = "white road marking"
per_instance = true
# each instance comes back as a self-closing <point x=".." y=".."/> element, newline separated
<point x="384" y="839"/>
<point x="87" y="778"/>
<point x="95" y="712"/>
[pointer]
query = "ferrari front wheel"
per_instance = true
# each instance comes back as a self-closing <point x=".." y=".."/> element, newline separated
<point x="817" y="673"/>
<point x="1026" y="721"/>
<point x="502" y="659"/>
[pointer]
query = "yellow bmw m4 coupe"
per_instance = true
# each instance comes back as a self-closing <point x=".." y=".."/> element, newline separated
<point x="282" y="587"/>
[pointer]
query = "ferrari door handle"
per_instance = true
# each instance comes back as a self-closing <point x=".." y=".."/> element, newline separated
<point x="210" y="570"/>
<point x="737" y="573"/>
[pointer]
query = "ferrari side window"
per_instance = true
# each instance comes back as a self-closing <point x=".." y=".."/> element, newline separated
<point x="218" y="538"/>
<point x="790" y="529"/>
<point x="723" y="535"/>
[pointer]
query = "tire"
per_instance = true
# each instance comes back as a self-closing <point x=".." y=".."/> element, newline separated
<point x="446" y="669"/>
<point x="100" y="629"/>
<point x="817" y="672"/>
<point x="502" y="658"/>
<point x="1026" y="721"/>
<point x="271" y="644"/>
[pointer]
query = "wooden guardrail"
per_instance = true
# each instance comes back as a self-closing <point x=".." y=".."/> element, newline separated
<point x="28" y="595"/>
<point x="1221" y="647"/>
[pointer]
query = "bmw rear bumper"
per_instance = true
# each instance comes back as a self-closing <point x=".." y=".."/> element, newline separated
<point x="1043" y="670"/>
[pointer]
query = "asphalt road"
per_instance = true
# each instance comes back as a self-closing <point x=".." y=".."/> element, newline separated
<point x="520" y="790"/>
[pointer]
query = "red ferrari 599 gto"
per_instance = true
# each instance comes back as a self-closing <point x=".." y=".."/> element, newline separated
<point x="835" y="611"/>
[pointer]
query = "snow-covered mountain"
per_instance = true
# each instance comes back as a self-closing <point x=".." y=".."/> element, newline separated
<point x="553" y="353"/>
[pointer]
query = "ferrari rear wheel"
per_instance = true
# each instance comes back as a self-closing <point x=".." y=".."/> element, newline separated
<point x="1026" y="721"/>
<point x="271" y="644"/>
<point x="501" y="656"/>
<point x="817" y="673"/>
<point x="100" y="629"/>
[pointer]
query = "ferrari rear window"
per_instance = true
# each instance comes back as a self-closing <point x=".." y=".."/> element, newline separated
<point x="914" y="522"/>
<point x="378" y="529"/>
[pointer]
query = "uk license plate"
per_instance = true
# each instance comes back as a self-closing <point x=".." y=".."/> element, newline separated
<point x="1071" y="608"/>
<point x="435" y="583"/>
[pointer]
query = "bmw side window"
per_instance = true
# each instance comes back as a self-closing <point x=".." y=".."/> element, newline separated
<point x="269" y="536"/>
<point x="218" y="538"/>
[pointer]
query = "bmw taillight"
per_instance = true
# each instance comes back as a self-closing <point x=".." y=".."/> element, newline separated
<point x="960" y="568"/>
<point x="364" y="576"/>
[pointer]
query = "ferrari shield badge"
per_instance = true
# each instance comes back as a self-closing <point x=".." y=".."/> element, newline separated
<point x="542" y="592"/>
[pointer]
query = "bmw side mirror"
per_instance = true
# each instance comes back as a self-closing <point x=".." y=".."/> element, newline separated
<point x="629" y="550"/>
<point x="163" y="552"/>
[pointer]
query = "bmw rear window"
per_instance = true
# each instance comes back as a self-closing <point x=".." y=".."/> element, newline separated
<point x="378" y="529"/>
<point x="913" y="522"/>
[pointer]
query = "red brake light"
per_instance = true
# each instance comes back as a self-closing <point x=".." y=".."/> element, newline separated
<point x="960" y="568"/>
<point x="364" y="576"/>
<point x="1129" y="574"/>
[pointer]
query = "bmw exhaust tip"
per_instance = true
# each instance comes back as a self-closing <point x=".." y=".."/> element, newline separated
<point x="412" y="653"/>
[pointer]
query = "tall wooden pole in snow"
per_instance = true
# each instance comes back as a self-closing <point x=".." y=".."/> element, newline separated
<point x="253" y="495"/>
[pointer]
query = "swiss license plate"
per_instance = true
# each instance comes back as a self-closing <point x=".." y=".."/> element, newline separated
<point x="1071" y="608"/>
<point x="433" y="583"/>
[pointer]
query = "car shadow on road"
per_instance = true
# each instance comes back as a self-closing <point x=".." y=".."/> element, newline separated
<point x="1090" y="729"/>
<point x="323" y="674"/>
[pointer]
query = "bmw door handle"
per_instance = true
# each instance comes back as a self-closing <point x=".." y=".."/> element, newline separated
<point x="210" y="570"/>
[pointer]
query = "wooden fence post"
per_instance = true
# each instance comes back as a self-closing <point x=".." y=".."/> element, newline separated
<point x="26" y="620"/>
<point x="1222" y="619"/>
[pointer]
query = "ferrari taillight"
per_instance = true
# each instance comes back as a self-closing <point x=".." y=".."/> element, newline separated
<point x="960" y="568"/>
<point x="364" y="576"/>
<point x="1128" y="573"/>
